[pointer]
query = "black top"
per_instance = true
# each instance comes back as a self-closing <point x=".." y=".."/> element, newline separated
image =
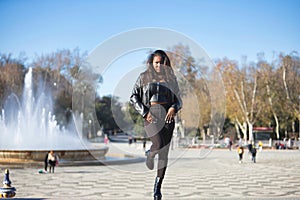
<point x="144" y="93"/>
<point x="159" y="92"/>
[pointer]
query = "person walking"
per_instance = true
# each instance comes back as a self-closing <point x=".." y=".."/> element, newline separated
<point x="253" y="152"/>
<point x="230" y="145"/>
<point x="156" y="98"/>
<point x="106" y="140"/>
<point x="250" y="146"/>
<point x="144" y="143"/>
<point x="240" y="151"/>
<point x="46" y="162"/>
<point x="260" y="146"/>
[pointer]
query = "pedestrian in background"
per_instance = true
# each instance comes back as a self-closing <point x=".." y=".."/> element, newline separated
<point x="144" y="143"/>
<point x="106" y="140"/>
<point x="52" y="161"/>
<point x="260" y="146"/>
<point x="240" y="151"/>
<point x="230" y="145"/>
<point x="253" y="152"/>
<point x="46" y="162"/>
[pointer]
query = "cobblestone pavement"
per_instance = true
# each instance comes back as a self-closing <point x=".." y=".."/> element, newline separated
<point x="192" y="175"/>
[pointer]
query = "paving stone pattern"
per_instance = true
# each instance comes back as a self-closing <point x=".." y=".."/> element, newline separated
<point x="192" y="174"/>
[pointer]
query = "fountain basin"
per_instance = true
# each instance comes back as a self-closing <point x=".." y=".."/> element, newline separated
<point x="29" y="156"/>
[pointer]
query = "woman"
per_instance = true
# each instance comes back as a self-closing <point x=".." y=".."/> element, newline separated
<point x="52" y="161"/>
<point x="156" y="98"/>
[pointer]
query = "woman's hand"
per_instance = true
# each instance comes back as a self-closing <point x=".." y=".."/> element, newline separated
<point x="149" y="117"/>
<point x="170" y="115"/>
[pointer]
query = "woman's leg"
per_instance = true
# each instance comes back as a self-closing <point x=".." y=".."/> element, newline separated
<point x="156" y="143"/>
<point x="49" y="164"/>
<point x="166" y="136"/>
<point x="160" y="134"/>
<point x="154" y="129"/>
<point x="46" y="165"/>
<point x="241" y="158"/>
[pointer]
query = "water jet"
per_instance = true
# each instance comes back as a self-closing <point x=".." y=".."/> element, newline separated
<point x="28" y="130"/>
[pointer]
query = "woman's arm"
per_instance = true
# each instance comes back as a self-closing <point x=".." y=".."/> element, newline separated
<point x="177" y="102"/>
<point x="136" y="98"/>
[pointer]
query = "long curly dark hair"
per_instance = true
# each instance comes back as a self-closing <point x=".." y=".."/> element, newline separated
<point x="166" y="70"/>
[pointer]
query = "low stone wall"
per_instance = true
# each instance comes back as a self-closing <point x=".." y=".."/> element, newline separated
<point x="7" y="156"/>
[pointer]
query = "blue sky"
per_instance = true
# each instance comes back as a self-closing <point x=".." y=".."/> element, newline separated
<point x="224" y="28"/>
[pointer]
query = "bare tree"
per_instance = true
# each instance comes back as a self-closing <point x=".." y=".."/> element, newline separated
<point x="290" y="69"/>
<point x="241" y="91"/>
<point x="194" y="88"/>
<point x="268" y="92"/>
<point x="11" y="75"/>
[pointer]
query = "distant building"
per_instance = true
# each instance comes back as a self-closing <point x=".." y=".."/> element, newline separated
<point x="262" y="133"/>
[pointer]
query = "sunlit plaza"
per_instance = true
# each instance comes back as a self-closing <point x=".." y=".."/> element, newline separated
<point x="192" y="174"/>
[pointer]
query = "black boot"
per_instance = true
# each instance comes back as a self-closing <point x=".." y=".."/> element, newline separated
<point x="150" y="160"/>
<point x="157" y="185"/>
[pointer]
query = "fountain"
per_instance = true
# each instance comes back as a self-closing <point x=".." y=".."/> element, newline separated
<point x="28" y="130"/>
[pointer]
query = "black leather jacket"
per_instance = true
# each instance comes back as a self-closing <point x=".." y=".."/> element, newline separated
<point x="140" y="97"/>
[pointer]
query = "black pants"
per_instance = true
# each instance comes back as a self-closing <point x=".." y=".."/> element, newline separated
<point x="51" y="166"/>
<point x="240" y="156"/>
<point x="160" y="134"/>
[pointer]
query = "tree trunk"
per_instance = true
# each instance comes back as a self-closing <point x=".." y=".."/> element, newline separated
<point x="237" y="130"/>
<point x="243" y="128"/>
<point x="284" y="82"/>
<point x="273" y="112"/>
<point x="277" y="125"/>
<point x="250" y="125"/>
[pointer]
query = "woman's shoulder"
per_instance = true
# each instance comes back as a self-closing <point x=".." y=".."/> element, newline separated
<point x="142" y="77"/>
<point x="144" y="73"/>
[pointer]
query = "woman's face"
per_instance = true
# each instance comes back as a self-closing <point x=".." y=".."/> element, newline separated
<point x="157" y="63"/>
